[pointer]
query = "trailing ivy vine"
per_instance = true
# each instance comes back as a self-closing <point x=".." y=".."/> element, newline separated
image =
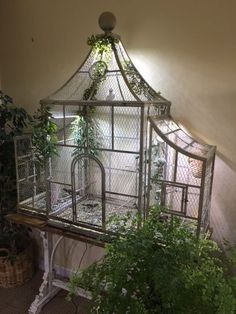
<point x="101" y="44"/>
<point x="158" y="164"/>
<point x="85" y="130"/>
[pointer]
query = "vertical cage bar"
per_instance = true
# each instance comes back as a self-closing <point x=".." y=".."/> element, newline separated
<point x="186" y="199"/>
<point x="73" y="191"/>
<point x="64" y="124"/>
<point x="141" y="161"/>
<point x="112" y="127"/>
<point x="103" y="196"/>
<point x="149" y="169"/>
<point x="146" y="129"/>
<point x="47" y="180"/>
<point x="176" y="165"/>
<point x="212" y="171"/>
<point x="201" y="198"/>
<point x="17" y="174"/>
<point x="183" y="200"/>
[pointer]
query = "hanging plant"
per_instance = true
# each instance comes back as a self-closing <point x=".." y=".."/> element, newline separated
<point x="85" y="132"/>
<point x="158" y="164"/>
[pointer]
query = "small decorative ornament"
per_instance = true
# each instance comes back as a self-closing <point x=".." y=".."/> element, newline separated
<point x="111" y="95"/>
<point x="98" y="70"/>
<point x="107" y="21"/>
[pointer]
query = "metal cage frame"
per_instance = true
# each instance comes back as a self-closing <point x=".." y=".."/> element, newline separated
<point x="151" y="120"/>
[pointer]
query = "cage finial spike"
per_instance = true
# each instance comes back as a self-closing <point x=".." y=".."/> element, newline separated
<point x="107" y="21"/>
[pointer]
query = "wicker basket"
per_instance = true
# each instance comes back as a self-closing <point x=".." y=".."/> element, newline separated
<point x="196" y="167"/>
<point x="19" y="271"/>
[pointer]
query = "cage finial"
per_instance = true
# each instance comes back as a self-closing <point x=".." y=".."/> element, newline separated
<point x="107" y="21"/>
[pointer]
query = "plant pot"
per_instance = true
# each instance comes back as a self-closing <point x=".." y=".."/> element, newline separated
<point x="16" y="270"/>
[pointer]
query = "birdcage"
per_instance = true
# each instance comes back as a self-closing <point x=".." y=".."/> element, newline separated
<point x="119" y="150"/>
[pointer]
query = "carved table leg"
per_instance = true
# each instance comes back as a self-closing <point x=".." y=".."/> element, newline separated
<point x="46" y="290"/>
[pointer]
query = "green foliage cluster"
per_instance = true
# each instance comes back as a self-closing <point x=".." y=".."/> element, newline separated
<point x="13" y="120"/>
<point x="102" y="44"/>
<point x="44" y="138"/>
<point x="160" y="267"/>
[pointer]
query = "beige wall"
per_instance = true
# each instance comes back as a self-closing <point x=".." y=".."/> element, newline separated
<point x="184" y="48"/>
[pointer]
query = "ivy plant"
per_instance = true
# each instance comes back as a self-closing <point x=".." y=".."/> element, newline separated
<point x="85" y="132"/>
<point x="158" y="165"/>
<point x="101" y="44"/>
<point x="160" y="267"/>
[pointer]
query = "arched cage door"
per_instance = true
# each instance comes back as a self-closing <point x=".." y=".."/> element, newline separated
<point x="88" y="190"/>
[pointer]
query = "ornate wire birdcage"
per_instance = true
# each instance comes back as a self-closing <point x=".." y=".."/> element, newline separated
<point x="119" y="150"/>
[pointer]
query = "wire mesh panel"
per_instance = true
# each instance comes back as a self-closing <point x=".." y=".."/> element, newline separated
<point x="122" y="172"/>
<point x="127" y="128"/>
<point x="31" y="179"/>
<point x="60" y="181"/>
<point x="102" y="118"/>
<point x="88" y="190"/>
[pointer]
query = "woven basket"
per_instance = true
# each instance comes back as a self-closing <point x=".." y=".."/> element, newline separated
<point x="19" y="271"/>
<point x="196" y="167"/>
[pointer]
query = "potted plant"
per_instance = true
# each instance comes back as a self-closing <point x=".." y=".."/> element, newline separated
<point x="160" y="267"/>
<point x="15" y="249"/>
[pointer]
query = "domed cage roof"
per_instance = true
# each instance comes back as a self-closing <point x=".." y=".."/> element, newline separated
<point x="107" y="74"/>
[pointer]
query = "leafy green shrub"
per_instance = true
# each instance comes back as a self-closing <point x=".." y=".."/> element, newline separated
<point x="13" y="121"/>
<point x="160" y="267"/>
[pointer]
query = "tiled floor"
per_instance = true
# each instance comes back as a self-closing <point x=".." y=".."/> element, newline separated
<point x="17" y="300"/>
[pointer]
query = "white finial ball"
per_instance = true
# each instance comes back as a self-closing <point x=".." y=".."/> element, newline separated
<point x="107" y="21"/>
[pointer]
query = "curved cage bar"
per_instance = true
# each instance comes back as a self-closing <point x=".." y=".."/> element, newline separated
<point x="180" y="172"/>
<point x="88" y="182"/>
